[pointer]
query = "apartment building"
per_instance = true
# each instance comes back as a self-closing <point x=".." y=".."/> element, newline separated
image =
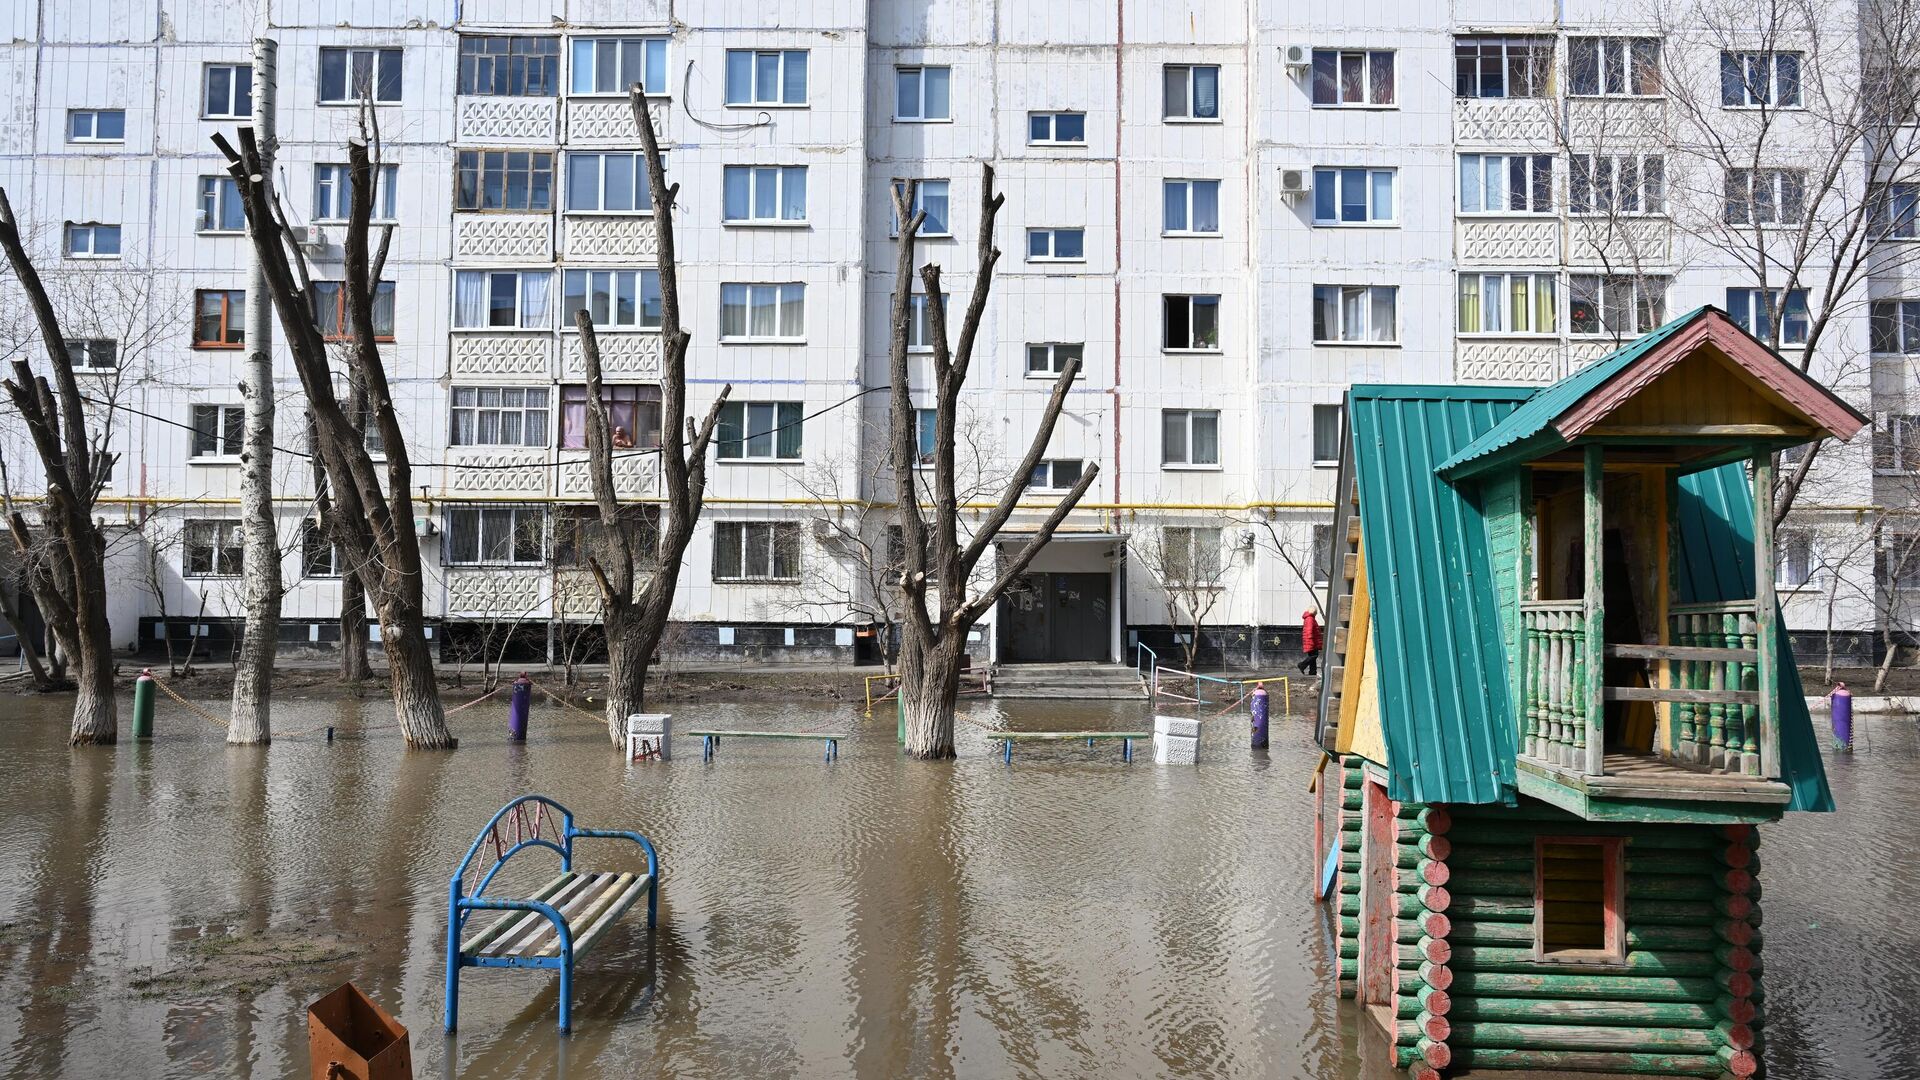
<point x="1226" y="211"/>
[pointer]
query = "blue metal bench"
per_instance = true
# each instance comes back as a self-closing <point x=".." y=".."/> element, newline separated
<point x="556" y="925"/>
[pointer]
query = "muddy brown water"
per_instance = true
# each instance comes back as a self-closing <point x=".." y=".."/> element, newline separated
<point x="168" y="909"/>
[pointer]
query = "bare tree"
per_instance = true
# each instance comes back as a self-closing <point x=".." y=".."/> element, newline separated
<point x="936" y="558"/>
<point x="371" y="508"/>
<point x="13" y="579"/>
<point x="637" y="585"/>
<point x="1192" y="568"/>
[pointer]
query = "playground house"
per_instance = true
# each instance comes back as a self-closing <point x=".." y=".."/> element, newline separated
<point x="1560" y="703"/>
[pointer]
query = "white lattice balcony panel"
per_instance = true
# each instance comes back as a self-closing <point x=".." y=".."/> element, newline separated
<point x="500" y="239"/>
<point x="627" y="239"/>
<point x="575" y="594"/>
<point x="635" y="476"/>
<point x="1509" y="360"/>
<point x="610" y="121"/>
<point x="474" y="470"/>
<point x="502" y="355"/>
<point x="1498" y="241"/>
<point x="1585" y="351"/>
<point x="1516" y="123"/>
<point x="496" y="593"/>
<point x="507" y="120"/>
<point x="1617" y="125"/>
<point x="622" y="356"/>
<point x="1621" y="245"/>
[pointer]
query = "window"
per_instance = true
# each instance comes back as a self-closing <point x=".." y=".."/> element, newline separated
<point x="498" y="416"/>
<point x="1060" y="474"/>
<point x="1753" y="79"/>
<point x="1049" y="359"/>
<point x="1191" y="556"/>
<point x="919" y="327"/>
<point x="93" y="354"/>
<point x="1794" y="555"/>
<point x="1617" y="184"/>
<point x="217" y="430"/>
<point x="93" y="241"/>
<point x="211" y="548"/>
<point x="766" y="78"/>
<point x="1352" y="77"/>
<point x="97" y="125"/>
<point x="612" y="65"/>
<point x="330" y="310"/>
<point x="1613" y="66"/>
<point x="1326" y="433"/>
<point x="1890" y="94"/>
<point x="1895" y="208"/>
<point x="1900" y="561"/>
<point x="219" y="318"/>
<point x="499" y="66"/>
<point x="1349" y="314"/>
<point x="1569" y="926"/>
<point x="1502" y="67"/>
<point x="1506" y="183"/>
<point x="1353" y="196"/>
<point x="1895" y="326"/>
<point x="614" y="299"/>
<point x="1322" y="546"/>
<point x="930" y="196"/>
<point x="756" y="550"/>
<point x="763" y="312"/>
<point x="228" y="91"/>
<point x="608" y="183"/>
<point x="1056" y="245"/>
<point x="1191" y="92"/>
<point x="1189" y="437"/>
<point x="503" y="180"/>
<point x="759" y="429"/>
<point x="1752" y="310"/>
<point x="1190" y="323"/>
<point x="333" y="192"/>
<point x="220" y="209"/>
<point x="1057" y="128"/>
<point x="1766" y="196"/>
<point x="770" y="194"/>
<point x="319" y="556"/>
<point x="925" y="435"/>
<point x="1192" y="208"/>
<point x="502" y="299"/>
<point x="1617" y="305"/>
<point x="578" y="533"/>
<point x="921" y="93"/>
<point x="354" y="75"/>
<point x="496" y="535"/>
<point x="1509" y="304"/>
<point x="1896" y="446"/>
<point x="633" y="415"/>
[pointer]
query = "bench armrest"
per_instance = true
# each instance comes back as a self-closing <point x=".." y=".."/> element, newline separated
<point x="646" y="845"/>
<point x="488" y="903"/>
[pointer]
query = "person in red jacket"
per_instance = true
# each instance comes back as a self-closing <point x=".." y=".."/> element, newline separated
<point x="1310" y="642"/>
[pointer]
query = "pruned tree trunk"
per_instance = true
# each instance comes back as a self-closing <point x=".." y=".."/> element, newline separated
<point x="65" y="567"/>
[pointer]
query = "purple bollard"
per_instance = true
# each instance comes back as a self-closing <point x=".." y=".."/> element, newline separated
<point x="1842" y="699"/>
<point x="518" y="708"/>
<point x="1260" y="718"/>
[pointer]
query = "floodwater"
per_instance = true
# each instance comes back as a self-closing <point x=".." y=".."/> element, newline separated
<point x="169" y="909"/>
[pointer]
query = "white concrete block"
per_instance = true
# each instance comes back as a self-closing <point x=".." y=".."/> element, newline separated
<point x="1185" y="727"/>
<point x="1175" y="749"/>
<point x="655" y="729"/>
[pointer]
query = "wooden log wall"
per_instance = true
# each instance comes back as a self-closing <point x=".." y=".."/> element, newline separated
<point x="1352" y="821"/>
<point x="1424" y="1004"/>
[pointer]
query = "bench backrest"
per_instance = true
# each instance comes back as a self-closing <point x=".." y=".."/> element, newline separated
<point x="528" y="821"/>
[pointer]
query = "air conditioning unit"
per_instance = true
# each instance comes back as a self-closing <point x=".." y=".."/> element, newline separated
<point x="425" y="526"/>
<point x="311" y="237"/>
<point x="1296" y="56"/>
<point x="1295" y="181"/>
<point x="822" y="529"/>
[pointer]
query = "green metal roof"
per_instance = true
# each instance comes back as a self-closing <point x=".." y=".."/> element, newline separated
<point x="1445" y="707"/>
<point x="1531" y="424"/>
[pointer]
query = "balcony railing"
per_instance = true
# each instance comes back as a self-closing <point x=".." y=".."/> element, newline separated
<point x="1720" y="656"/>
<point x="1555" y="655"/>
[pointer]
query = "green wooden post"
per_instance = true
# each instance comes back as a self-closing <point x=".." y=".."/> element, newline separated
<point x="1593" y="700"/>
<point x="1673" y="630"/>
<point x="1764" y="612"/>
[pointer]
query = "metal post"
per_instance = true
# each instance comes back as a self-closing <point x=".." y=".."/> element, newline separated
<point x="519" y="707"/>
<point x="1842" y="716"/>
<point x="453" y="955"/>
<point x="1126" y="750"/>
<point x="1259" y="717"/>
<point x="1006" y="751"/>
<point x="143" y="706"/>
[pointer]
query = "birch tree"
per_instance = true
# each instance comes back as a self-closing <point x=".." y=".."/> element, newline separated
<point x="938" y="603"/>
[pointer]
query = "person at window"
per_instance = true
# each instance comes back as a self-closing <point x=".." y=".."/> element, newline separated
<point x="1309" y="642"/>
<point x="622" y="440"/>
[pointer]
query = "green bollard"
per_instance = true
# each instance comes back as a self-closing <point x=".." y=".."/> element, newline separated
<point x="143" y="706"/>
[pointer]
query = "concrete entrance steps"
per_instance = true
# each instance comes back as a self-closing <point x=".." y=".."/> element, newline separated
<point x="1079" y="682"/>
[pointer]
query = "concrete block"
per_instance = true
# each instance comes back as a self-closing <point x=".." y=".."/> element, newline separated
<point x="1185" y="727"/>
<point x="653" y="729"/>
<point x="1176" y="740"/>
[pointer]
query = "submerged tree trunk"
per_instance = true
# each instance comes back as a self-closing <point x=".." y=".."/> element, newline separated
<point x="416" y="685"/>
<point x="930" y="696"/>
<point x="353" y="629"/>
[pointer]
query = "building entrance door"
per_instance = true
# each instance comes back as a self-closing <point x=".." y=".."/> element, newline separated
<point x="1055" y="617"/>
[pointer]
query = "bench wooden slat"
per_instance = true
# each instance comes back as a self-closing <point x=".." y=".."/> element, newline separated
<point x="493" y="929"/>
<point x="584" y="901"/>
<point x="585" y="915"/>
<point x="624" y="899"/>
<point x="530" y="922"/>
<point x="769" y="734"/>
<point x="518" y="941"/>
<point x="1073" y="735"/>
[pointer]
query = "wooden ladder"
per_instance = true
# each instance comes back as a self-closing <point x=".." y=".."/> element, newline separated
<point x="1334" y="669"/>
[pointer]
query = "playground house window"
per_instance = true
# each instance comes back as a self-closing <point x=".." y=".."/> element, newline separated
<point x="503" y="180"/>
<point x="922" y="94"/>
<point x="1506" y="183"/>
<point x="1353" y="196"/>
<point x="766" y="78"/>
<point x="496" y="65"/>
<point x="1766" y="196"/>
<point x="502" y="300"/>
<point x="613" y="299"/>
<point x="776" y="313"/>
<point x="1523" y="303"/>
<point x="333" y="192"/>
<point x="1579" y="910"/>
<point x="496" y="535"/>
<point x="1795" y="555"/>
<point x="499" y="416"/>
<point x="578" y="533"/>
<point x="220" y="209"/>
<point x="632" y="408"/>
<point x="1190" y="323"/>
<point x="319" y="555"/>
<point x="1045" y="360"/>
<point x="919" y="326"/>
<point x="218" y="430"/>
<point x="765" y="194"/>
<point x="1894" y="326"/>
<point x="1617" y="184"/>
<point x="1896" y="444"/>
<point x="1327" y="420"/>
<point x="1056" y="475"/>
<point x="756" y="551"/>
<point x="1191" y="208"/>
<point x="1615" y="305"/>
<point x="1750" y="80"/>
<point x="90" y="240"/>
<point x="228" y="91"/>
<point x="1895" y="209"/>
<point x="93" y="354"/>
<point x="1355" y="314"/>
<point x="759" y="430"/>
<point x="608" y="183"/>
<point x="1613" y="67"/>
<point x="1190" y="438"/>
<point x="930" y="196"/>
<point x="1502" y="67"/>
<point x="1191" y="556"/>
<point x="1190" y="92"/>
<point x="329" y="300"/>
<point x="219" y="318"/>
<point x="96" y="125"/>
<point x="611" y="65"/>
<point x="1751" y="309"/>
<point x="211" y="547"/>
<point x="350" y="76"/>
<point x="1057" y="129"/>
<point x="1352" y="77"/>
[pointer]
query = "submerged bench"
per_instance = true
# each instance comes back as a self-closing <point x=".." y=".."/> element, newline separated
<point x="710" y="740"/>
<point x="561" y="921"/>
<point x="1008" y="738"/>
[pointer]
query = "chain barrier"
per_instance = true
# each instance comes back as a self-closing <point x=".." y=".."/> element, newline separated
<point x="297" y="732"/>
<point x="471" y="704"/>
<point x="568" y="705"/>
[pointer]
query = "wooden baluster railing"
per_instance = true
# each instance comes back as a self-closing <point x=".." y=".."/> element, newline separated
<point x="1681" y="672"/>
<point x="1530" y="675"/>
<point x="1750" y="680"/>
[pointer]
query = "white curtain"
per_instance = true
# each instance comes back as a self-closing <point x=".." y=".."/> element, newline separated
<point x="536" y="299"/>
<point x="470" y="298"/>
